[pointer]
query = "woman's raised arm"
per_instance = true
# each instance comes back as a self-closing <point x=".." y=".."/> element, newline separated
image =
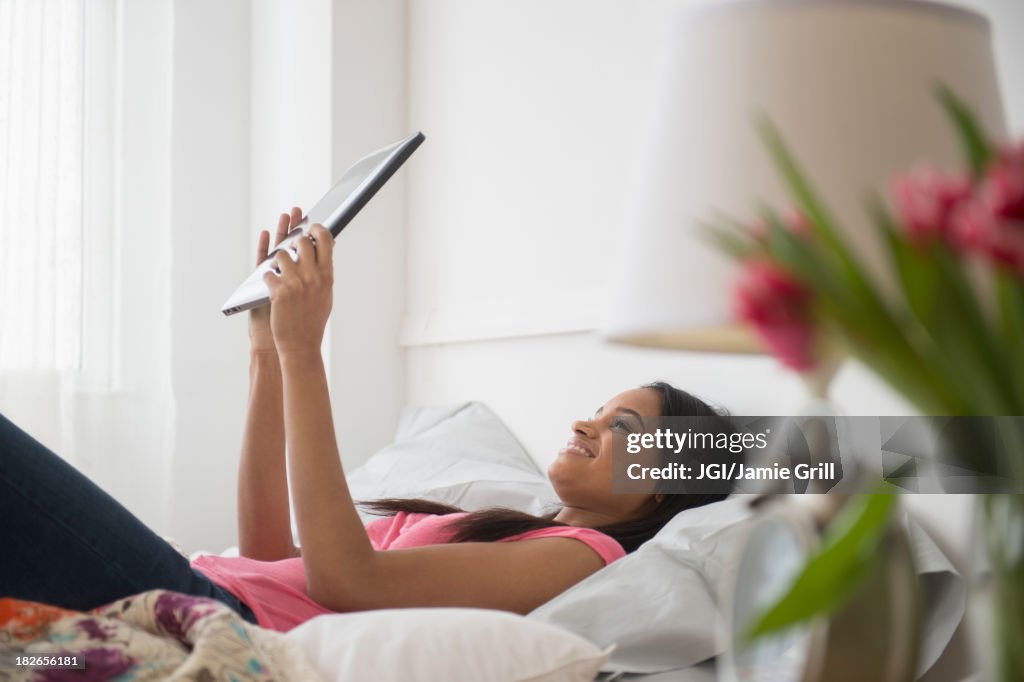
<point x="343" y="570"/>
<point x="264" y="521"/>
<point x="330" y="531"/>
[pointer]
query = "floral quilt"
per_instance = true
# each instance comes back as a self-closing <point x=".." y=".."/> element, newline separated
<point x="155" y="635"/>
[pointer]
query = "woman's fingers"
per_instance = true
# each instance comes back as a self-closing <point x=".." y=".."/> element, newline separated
<point x="307" y="254"/>
<point x="285" y="265"/>
<point x="273" y="281"/>
<point x="324" y="248"/>
<point x="314" y="257"/>
<point x="262" y="246"/>
<point x="300" y="289"/>
<point x="282" y="228"/>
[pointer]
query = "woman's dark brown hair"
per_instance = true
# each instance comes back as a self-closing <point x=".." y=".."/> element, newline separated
<point x="489" y="525"/>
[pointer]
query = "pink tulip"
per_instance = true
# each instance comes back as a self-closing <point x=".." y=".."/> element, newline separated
<point x="976" y="227"/>
<point x="926" y="199"/>
<point x="992" y="221"/>
<point x="778" y="306"/>
<point x="1003" y="186"/>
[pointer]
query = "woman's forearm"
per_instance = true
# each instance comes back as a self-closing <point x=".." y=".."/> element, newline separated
<point x="264" y="521"/>
<point x="335" y="548"/>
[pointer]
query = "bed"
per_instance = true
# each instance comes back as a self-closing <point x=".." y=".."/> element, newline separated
<point x="654" y="615"/>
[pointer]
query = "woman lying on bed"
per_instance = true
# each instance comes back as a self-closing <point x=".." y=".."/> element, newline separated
<point x="66" y="542"/>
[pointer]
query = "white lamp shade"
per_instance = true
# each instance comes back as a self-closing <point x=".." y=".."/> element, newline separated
<point x="850" y="84"/>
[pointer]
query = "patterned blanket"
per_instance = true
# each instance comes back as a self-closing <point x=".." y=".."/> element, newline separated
<point x="155" y="635"/>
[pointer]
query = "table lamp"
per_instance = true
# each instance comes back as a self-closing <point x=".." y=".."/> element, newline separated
<point x="850" y="85"/>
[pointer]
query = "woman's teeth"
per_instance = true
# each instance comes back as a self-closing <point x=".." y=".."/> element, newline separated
<point x="575" y="449"/>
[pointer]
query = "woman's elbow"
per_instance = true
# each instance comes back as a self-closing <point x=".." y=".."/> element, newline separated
<point x="340" y="589"/>
<point x="330" y="594"/>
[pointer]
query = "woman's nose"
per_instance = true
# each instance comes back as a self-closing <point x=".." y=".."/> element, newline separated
<point x="583" y="427"/>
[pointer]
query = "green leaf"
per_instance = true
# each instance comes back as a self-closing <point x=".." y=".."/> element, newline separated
<point x="956" y="334"/>
<point x="977" y="149"/>
<point x="905" y="364"/>
<point x="1011" y="318"/>
<point x="918" y="279"/>
<point x="962" y="329"/>
<point x="812" y="206"/>
<point x="799" y="187"/>
<point x="870" y="332"/>
<point x="729" y="240"/>
<point x="836" y="571"/>
<point x="928" y="394"/>
<point x="803" y="258"/>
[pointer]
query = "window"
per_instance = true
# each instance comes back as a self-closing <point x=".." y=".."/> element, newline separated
<point x="41" y="176"/>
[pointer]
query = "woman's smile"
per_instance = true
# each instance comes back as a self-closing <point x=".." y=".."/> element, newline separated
<point x="577" y="447"/>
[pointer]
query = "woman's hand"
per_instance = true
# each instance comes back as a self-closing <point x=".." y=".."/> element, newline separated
<point x="261" y="339"/>
<point x="301" y="296"/>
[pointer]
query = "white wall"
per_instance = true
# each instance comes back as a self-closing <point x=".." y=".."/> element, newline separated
<point x="271" y="102"/>
<point x="290" y="109"/>
<point x="368" y="110"/>
<point x="531" y="114"/>
<point x="532" y="111"/>
<point x="328" y="87"/>
<point x="209" y="224"/>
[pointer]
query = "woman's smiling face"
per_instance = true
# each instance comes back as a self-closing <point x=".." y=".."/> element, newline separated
<point x="582" y="473"/>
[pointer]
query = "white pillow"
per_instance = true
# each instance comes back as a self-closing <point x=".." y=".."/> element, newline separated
<point x="660" y="605"/>
<point x="461" y="455"/>
<point x="475" y="645"/>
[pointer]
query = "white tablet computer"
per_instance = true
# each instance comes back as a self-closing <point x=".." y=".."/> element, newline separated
<point x="334" y="211"/>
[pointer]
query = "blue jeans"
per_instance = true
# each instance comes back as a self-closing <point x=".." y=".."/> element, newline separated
<point x="63" y="541"/>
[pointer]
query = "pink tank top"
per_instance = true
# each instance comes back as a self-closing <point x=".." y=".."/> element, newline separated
<point x="276" y="590"/>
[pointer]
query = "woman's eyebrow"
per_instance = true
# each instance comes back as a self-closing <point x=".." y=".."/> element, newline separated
<point x="634" y="413"/>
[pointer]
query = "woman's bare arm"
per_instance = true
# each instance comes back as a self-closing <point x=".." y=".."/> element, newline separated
<point x="343" y="570"/>
<point x="345" y="573"/>
<point x="330" y="531"/>
<point x="264" y="522"/>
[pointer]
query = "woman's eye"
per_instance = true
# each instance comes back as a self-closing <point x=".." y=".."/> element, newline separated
<point x="621" y="425"/>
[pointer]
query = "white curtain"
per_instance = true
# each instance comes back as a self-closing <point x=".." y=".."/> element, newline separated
<point x="41" y="221"/>
<point x="41" y="107"/>
<point x="84" y="368"/>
